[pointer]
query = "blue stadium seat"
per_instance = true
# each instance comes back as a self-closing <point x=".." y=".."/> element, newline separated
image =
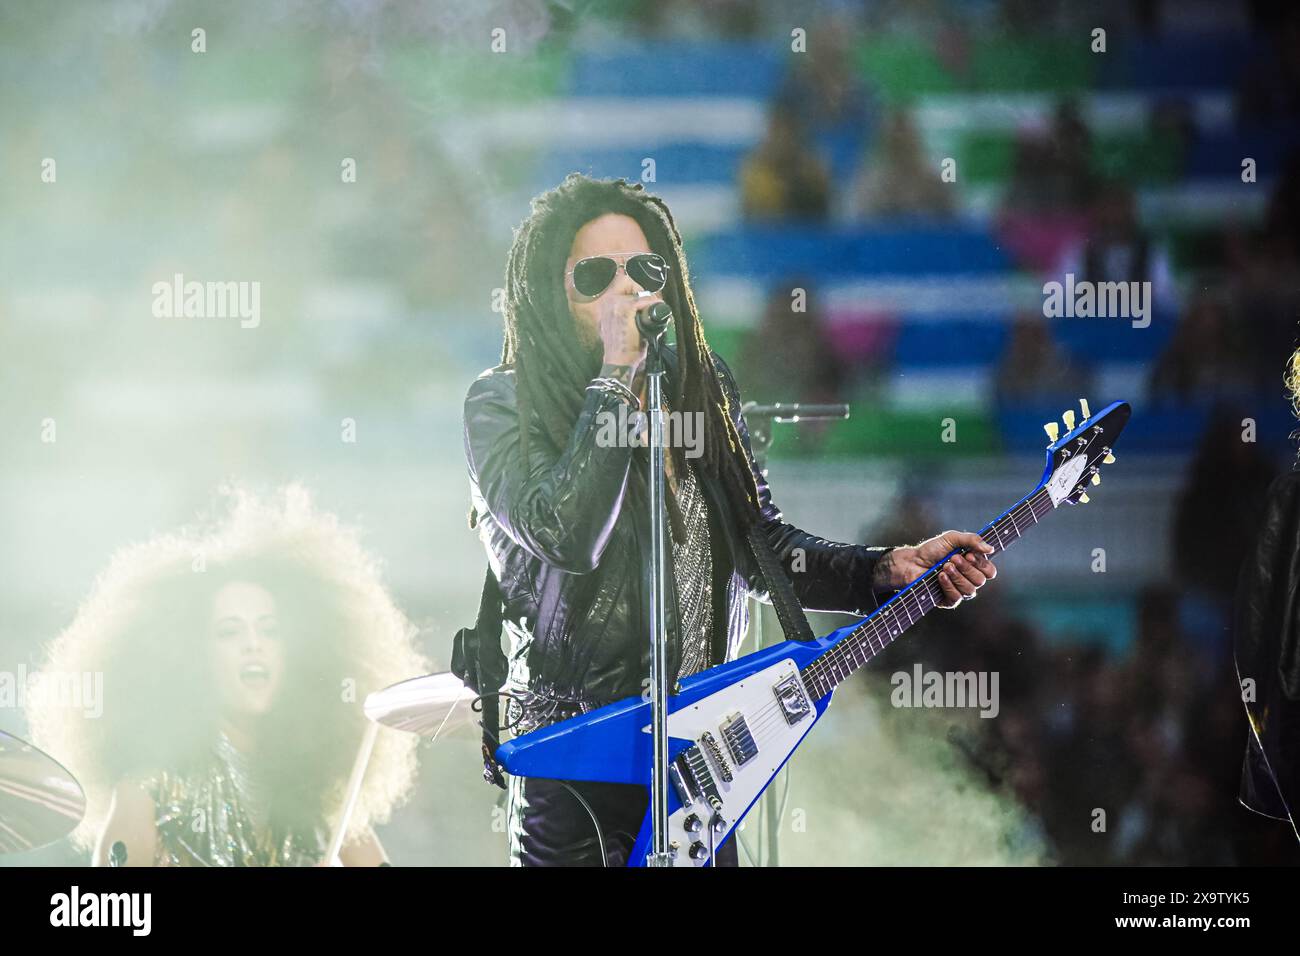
<point x="1219" y="156"/>
<point x="690" y="163"/>
<point x="675" y="164"/>
<point x="842" y="151"/>
<point x="1092" y="341"/>
<point x="730" y="69"/>
<point x="952" y="341"/>
<point x="1183" y="61"/>
<point x="775" y="252"/>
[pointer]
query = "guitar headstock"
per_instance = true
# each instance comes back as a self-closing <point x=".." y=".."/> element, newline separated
<point x="1075" y="459"/>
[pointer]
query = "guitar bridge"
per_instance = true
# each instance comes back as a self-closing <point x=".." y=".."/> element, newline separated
<point x="711" y="744"/>
<point x="696" y="777"/>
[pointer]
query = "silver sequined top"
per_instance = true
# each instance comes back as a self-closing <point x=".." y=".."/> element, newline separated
<point x="216" y="815"/>
<point x="693" y="569"/>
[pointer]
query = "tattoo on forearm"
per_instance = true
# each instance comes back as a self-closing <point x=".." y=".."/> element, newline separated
<point x="883" y="572"/>
<point x="622" y="373"/>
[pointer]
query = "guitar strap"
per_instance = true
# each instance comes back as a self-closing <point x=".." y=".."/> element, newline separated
<point x="794" y="623"/>
<point x="478" y="660"/>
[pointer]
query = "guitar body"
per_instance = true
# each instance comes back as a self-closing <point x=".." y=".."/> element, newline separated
<point x="733" y="727"/>
<point x="755" y="710"/>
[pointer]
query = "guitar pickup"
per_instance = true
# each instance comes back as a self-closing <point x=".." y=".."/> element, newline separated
<point x="794" y="702"/>
<point x="739" y="740"/>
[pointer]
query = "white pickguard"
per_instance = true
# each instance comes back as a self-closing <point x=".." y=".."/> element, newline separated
<point x="755" y="699"/>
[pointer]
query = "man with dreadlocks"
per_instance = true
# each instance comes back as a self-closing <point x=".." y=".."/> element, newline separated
<point x="563" y="511"/>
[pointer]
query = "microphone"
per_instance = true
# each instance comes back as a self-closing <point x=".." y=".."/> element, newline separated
<point x="117" y="854"/>
<point x="653" y="321"/>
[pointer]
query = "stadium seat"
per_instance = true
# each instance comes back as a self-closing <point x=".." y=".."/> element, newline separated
<point x="1182" y="61"/>
<point x="676" y="164"/>
<point x="950" y="341"/>
<point x="729" y="69"/>
<point x="1037" y="64"/>
<point x="899" y="69"/>
<point x="832" y="253"/>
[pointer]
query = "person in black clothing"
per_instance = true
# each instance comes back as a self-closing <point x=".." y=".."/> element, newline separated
<point x="1266" y="647"/>
<point x="560" y="501"/>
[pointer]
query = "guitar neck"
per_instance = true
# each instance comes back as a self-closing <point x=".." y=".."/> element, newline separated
<point x="856" y="648"/>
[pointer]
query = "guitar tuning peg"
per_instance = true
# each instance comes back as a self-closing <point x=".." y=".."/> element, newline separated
<point x="1084" y="499"/>
<point x="1053" y="430"/>
<point x="1109" y="459"/>
<point x="1068" y="418"/>
<point x="1083" y="407"/>
<point x="1096" y="478"/>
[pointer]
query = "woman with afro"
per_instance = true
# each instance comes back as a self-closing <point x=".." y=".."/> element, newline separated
<point x="235" y="658"/>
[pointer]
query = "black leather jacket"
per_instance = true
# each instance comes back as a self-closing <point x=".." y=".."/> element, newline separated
<point x="1266" y="646"/>
<point x="570" y="545"/>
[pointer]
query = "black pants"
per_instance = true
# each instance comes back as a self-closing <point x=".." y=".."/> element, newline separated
<point x="549" y="827"/>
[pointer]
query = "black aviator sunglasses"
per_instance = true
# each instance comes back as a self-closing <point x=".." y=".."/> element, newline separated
<point x="593" y="275"/>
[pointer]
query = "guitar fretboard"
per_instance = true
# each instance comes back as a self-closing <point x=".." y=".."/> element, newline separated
<point x="859" y="646"/>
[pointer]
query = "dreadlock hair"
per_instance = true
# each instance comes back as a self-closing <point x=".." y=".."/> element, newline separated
<point x="541" y="341"/>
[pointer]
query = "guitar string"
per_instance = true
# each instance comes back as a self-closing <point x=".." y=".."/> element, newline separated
<point x="772" y="715"/>
<point x="822" y="668"/>
<point x="909" y="601"/>
<point x="825" y="667"/>
<point x="843" y="659"/>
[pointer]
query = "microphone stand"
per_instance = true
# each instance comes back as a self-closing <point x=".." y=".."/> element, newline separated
<point x="760" y="418"/>
<point x="653" y="322"/>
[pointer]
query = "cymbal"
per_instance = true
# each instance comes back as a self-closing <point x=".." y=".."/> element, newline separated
<point x="40" y="802"/>
<point x="428" y="705"/>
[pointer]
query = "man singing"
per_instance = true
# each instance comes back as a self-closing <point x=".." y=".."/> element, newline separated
<point x="563" y="510"/>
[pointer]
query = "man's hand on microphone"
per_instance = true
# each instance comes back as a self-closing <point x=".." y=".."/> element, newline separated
<point x="625" y="350"/>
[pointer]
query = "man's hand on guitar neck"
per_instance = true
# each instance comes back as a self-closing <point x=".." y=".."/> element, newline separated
<point x="959" y="578"/>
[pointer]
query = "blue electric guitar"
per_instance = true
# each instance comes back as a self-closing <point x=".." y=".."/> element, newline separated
<point x="733" y="727"/>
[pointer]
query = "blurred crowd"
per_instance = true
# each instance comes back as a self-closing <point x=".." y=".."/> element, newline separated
<point x="1153" y="736"/>
<point x="1225" y="312"/>
<point x="229" y="168"/>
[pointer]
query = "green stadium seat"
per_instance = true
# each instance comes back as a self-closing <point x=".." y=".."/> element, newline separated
<point x="727" y="341"/>
<point x="899" y="69"/>
<point x="1032" y="65"/>
<point x="458" y="77"/>
<point x="1139" y="158"/>
<point x="986" y="156"/>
